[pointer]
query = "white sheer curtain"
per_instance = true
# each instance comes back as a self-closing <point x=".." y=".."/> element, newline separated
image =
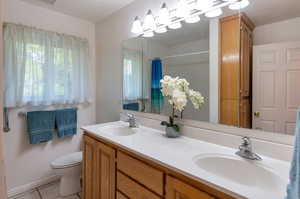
<point x="44" y="68"/>
<point x="133" y="75"/>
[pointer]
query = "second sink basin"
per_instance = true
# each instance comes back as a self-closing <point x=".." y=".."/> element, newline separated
<point x="118" y="130"/>
<point x="240" y="171"/>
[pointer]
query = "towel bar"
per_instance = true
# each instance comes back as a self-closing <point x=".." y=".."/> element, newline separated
<point x="24" y="114"/>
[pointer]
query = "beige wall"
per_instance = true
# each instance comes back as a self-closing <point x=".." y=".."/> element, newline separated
<point x="27" y="164"/>
<point x="2" y="170"/>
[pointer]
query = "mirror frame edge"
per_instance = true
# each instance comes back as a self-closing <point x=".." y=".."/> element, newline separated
<point x="283" y="139"/>
<point x="229" y="130"/>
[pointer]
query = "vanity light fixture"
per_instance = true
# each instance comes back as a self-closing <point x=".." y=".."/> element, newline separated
<point x="175" y="25"/>
<point x="164" y="15"/>
<point x="148" y="34"/>
<point x="183" y="9"/>
<point x="193" y="19"/>
<point x="137" y="27"/>
<point x="149" y="22"/>
<point x="187" y="10"/>
<point x="240" y="4"/>
<point x="204" y="4"/>
<point x="214" y="13"/>
<point x="161" y="30"/>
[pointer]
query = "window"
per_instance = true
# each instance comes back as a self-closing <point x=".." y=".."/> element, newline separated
<point x="44" y="68"/>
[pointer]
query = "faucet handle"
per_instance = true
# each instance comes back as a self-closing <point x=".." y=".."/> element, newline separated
<point x="130" y="116"/>
<point x="246" y="141"/>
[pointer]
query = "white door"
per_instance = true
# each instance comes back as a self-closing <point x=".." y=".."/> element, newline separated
<point x="276" y="86"/>
<point x="3" y="191"/>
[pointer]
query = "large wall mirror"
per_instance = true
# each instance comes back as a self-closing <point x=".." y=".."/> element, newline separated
<point x="246" y="64"/>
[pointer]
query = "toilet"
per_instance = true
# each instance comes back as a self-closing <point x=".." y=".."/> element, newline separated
<point x="68" y="167"/>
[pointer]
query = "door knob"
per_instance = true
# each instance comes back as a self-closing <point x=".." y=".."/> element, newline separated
<point x="256" y="114"/>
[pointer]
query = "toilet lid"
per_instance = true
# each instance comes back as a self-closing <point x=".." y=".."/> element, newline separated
<point x="69" y="160"/>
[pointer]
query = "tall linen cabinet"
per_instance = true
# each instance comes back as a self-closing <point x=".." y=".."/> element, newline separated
<point x="236" y="44"/>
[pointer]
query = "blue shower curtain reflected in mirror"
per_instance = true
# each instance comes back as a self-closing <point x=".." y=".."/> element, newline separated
<point x="157" y="100"/>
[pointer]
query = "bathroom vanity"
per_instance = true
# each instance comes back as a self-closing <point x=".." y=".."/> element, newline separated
<point x="139" y="163"/>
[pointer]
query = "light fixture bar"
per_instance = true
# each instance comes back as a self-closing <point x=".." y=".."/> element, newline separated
<point x="194" y="13"/>
<point x="174" y="19"/>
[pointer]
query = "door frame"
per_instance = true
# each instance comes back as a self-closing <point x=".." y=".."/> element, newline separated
<point x="3" y="188"/>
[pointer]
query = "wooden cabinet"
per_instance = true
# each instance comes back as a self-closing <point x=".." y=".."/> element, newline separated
<point x="176" y="189"/>
<point x="112" y="172"/>
<point x="141" y="172"/>
<point x="120" y="195"/>
<point x="236" y="71"/>
<point x="98" y="170"/>
<point x="133" y="189"/>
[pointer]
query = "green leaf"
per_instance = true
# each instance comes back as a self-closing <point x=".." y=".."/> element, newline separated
<point x="164" y="123"/>
<point x="176" y="127"/>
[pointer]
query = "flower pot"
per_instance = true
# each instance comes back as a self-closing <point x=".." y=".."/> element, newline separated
<point x="172" y="133"/>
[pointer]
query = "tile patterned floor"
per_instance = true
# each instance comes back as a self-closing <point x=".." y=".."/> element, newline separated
<point x="49" y="191"/>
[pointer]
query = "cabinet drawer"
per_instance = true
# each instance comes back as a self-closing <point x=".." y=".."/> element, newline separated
<point x="141" y="172"/>
<point x="133" y="189"/>
<point x="120" y="196"/>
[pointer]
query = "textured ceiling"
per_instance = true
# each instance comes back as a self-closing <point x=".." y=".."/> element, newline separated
<point x="92" y="10"/>
<point x="260" y="11"/>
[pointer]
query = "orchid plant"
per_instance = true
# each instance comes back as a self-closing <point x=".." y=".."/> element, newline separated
<point x="178" y="92"/>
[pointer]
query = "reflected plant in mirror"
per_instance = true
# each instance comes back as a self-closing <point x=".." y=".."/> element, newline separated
<point x="177" y="91"/>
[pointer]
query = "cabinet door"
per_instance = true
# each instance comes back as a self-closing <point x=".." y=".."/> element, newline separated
<point x="246" y="61"/>
<point x="121" y="196"/>
<point x="245" y="110"/>
<point x="99" y="170"/>
<point x="89" y="160"/>
<point x="229" y="69"/>
<point x="245" y="113"/>
<point x="176" y="189"/>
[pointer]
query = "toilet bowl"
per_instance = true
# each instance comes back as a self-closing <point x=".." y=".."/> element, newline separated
<point x="68" y="168"/>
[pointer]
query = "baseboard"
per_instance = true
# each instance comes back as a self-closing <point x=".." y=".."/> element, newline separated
<point x="32" y="185"/>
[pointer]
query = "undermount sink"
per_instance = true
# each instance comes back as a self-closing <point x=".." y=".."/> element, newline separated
<point x="245" y="172"/>
<point x="118" y="130"/>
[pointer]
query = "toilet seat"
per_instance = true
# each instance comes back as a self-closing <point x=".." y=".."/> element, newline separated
<point x="67" y="161"/>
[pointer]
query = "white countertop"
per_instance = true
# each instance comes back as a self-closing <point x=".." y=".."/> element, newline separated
<point x="179" y="154"/>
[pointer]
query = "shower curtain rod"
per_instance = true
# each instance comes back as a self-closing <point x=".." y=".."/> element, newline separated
<point x="183" y="55"/>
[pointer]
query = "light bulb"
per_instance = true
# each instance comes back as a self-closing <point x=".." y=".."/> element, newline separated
<point x="194" y="19"/>
<point x="204" y="5"/>
<point x="164" y="15"/>
<point x="137" y="26"/>
<point x="149" y="22"/>
<point x="214" y="13"/>
<point x="175" y="25"/>
<point x="183" y="9"/>
<point x="239" y="5"/>
<point x="148" y="34"/>
<point x="161" y="30"/>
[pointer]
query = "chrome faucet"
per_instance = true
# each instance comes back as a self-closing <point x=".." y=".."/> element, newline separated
<point x="245" y="150"/>
<point x="132" y="121"/>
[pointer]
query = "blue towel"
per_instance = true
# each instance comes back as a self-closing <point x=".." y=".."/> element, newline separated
<point x="157" y="99"/>
<point x="40" y="126"/>
<point x="131" y="106"/>
<point x="293" y="189"/>
<point x="66" y="122"/>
